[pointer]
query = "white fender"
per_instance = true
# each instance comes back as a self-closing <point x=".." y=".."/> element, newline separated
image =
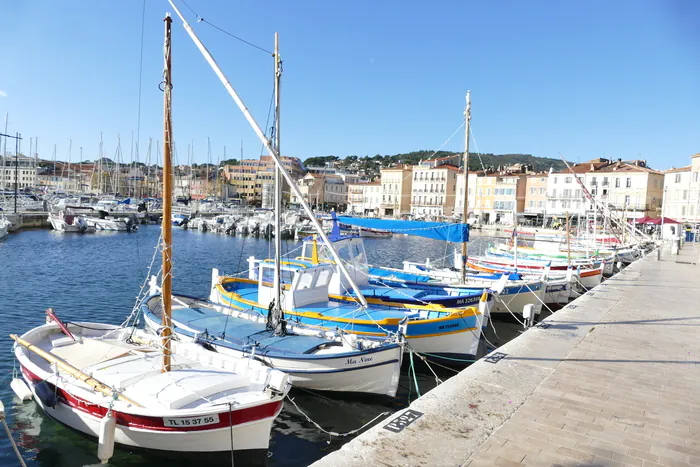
<point x="105" y="445"/>
<point x="21" y="389"/>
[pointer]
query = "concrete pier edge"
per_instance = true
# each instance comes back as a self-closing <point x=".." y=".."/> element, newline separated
<point x="461" y="414"/>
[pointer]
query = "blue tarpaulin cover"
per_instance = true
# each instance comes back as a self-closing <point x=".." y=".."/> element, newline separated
<point x="445" y="231"/>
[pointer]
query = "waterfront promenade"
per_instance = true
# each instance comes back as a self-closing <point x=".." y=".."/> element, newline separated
<point x="613" y="379"/>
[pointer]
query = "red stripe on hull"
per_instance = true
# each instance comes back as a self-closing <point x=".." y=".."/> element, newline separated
<point x="226" y="418"/>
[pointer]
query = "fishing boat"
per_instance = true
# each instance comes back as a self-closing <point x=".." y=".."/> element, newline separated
<point x="314" y="358"/>
<point x="136" y="389"/>
<point x="322" y="360"/>
<point x="194" y="407"/>
<point x="431" y="329"/>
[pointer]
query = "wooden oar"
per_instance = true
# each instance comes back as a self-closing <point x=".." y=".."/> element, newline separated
<point x="70" y="369"/>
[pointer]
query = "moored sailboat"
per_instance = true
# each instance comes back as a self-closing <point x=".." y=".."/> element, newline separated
<point x="136" y="389"/>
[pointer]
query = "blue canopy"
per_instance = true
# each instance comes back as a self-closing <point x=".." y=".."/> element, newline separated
<point x="125" y="201"/>
<point x="445" y="231"/>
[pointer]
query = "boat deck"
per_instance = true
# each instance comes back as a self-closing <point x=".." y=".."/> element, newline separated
<point x="137" y="370"/>
<point x="242" y="333"/>
<point x="340" y="309"/>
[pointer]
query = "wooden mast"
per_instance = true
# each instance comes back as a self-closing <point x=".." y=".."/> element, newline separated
<point x="167" y="223"/>
<point x="465" y="210"/>
<point x="277" y="311"/>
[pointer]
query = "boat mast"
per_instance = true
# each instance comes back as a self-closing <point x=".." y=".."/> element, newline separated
<point x="271" y="150"/>
<point x="4" y="153"/>
<point x="277" y="320"/>
<point x="167" y="280"/>
<point x="465" y="209"/>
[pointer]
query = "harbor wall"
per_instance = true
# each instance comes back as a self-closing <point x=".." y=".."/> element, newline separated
<point x="29" y="220"/>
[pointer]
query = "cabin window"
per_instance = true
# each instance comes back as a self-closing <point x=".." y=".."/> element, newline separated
<point x="324" y="278"/>
<point x="305" y="281"/>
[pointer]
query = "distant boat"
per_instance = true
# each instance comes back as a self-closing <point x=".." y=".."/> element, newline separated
<point x="374" y="233"/>
<point x="67" y="221"/>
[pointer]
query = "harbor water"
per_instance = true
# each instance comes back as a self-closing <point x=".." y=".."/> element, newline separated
<point x="96" y="277"/>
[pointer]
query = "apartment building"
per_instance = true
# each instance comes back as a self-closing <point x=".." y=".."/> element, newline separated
<point x="324" y="190"/>
<point x="499" y="196"/>
<point x="19" y="172"/>
<point x="433" y="190"/>
<point x="396" y="185"/>
<point x="681" y="192"/>
<point x="475" y="209"/>
<point x="251" y="174"/>
<point x="535" y="195"/>
<point x="629" y="188"/>
<point x="364" y="198"/>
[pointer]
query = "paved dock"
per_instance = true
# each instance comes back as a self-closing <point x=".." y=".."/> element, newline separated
<point x="613" y="379"/>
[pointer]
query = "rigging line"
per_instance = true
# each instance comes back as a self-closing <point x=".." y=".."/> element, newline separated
<point x="202" y="20"/>
<point x="267" y="122"/>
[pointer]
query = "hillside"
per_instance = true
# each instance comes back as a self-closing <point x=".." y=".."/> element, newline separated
<point x="372" y="164"/>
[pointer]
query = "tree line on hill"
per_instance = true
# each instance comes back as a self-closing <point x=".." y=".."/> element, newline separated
<point x="371" y="165"/>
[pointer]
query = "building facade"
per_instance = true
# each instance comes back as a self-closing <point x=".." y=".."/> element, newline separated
<point x="474" y="206"/>
<point x="18" y="172"/>
<point x="433" y="190"/>
<point x="536" y="194"/>
<point x="681" y="192"/>
<point x="323" y="190"/>
<point x="251" y="174"/>
<point x="364" y="198"/>
<point x="628" y="188"/>
<point x="396" y="191"/>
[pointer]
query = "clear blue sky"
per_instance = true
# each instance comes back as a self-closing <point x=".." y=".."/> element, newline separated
<point x="584" y="78"/>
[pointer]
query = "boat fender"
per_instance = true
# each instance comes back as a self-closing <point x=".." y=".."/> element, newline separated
<point x="105" y="445"/>
<point x="46" y="393"/>
<point x="21" y="389"/>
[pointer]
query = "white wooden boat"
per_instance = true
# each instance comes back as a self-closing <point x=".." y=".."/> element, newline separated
<point x="195" y="407"/>
<point x="314" y="359"/>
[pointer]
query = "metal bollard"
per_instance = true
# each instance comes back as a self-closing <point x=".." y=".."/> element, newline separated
<point x="658" y="254"/>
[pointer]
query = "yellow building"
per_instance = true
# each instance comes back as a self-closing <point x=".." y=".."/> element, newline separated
<point x="536" y="194"/>
<point x="251" y="174"/>
<point x="396" y="190"/>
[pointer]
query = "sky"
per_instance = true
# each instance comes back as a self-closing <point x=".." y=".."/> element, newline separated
<point x="586" y="79"/>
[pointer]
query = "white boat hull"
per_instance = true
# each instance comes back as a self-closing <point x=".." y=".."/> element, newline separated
<point x="254" y="435"/>
<point x="118" y="225"/>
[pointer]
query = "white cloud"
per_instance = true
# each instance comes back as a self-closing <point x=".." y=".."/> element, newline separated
<point x="3" y="93"/>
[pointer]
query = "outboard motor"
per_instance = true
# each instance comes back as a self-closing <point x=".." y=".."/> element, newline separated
<point x="81" y="223"/>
